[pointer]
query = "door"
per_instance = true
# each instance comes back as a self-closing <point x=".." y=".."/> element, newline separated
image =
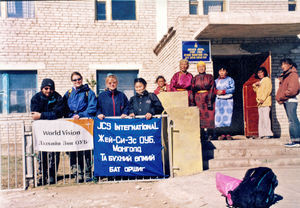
<point x="249" y="100"/>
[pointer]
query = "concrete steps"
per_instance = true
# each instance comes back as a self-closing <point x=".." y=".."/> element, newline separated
<point x="248" y="153"/>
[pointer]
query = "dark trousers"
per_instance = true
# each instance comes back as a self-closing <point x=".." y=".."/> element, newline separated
<point x="81" y="155"/>
<point x="47" y="162"/>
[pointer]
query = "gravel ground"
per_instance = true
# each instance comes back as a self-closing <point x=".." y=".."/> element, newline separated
<point x="181" y="192"/>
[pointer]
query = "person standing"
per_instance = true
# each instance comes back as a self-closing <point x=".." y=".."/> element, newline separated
<point x="224" y="103"/>
<point x="203" y="87"/>
<point x="80" y="102"/>
<point x="286" y="95"/>
<point x="112" y="102"/>
<point x="47" y="105"/>
<point x="263" y="89"/>
<point x="143" y="102"/>
<point x="162" y="86"/>
<point x="181" y="81"/>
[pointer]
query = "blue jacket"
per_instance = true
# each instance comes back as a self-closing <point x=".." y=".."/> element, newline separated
<point x="80" y="101"/>
<point x="112" y="103"/>
<point x="145" y="103"/>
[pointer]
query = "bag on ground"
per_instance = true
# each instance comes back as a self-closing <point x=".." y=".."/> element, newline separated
<point x="225" y="184"/>
<point x="256" y="190"/>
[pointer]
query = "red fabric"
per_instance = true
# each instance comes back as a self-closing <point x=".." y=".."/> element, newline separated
<point x="166" y="88"/>
<point x="205" y="100"/>
<point x="181" y="81"/>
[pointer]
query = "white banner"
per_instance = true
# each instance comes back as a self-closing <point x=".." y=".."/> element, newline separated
<point x="63" y="135"/>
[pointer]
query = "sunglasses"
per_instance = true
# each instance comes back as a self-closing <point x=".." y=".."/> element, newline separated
<point x="47" y="88"/>
<point x="75" y="80"/>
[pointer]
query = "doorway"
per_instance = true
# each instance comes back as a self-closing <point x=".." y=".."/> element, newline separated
<point x="240" y="68"/>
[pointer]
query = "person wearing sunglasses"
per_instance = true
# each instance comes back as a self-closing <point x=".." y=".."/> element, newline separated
<point x="80" y="102"/>
<point x="47" y="105"/>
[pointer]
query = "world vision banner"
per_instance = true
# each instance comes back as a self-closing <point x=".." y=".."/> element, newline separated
<point x="63" y="135"/>
<point x="128" y="147"/>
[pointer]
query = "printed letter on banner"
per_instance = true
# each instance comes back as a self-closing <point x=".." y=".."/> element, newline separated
<point x="128" y="147"/>
<point x="63" y="135"/>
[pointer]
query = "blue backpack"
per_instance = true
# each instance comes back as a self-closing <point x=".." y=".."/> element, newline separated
<point x="256" y="190"/>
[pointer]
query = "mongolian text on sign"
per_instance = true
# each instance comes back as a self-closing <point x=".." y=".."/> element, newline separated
<point x="195" y="51"/>
<point x="63" y="135"/>
<point x="128" y="147"/>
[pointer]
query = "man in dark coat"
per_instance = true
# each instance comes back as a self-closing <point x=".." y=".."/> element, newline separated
<point x="47" y="105"/>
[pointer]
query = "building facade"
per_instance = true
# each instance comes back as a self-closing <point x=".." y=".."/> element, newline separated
<point x="134" y="38"/>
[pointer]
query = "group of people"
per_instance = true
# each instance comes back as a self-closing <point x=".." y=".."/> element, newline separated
<point x="214" y="98"/>
<point x="79" y="102"/>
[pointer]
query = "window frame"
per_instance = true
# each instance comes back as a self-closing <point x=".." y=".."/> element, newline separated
<point x="222" y="6"/>
<point x="194" y="3"/>
<point x="6" y="105"/>
<point x="108" y="12"/>
<point x="292" y="3"/>
<point x="34" y="9"/>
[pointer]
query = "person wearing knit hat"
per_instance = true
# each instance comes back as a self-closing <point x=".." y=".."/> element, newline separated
<point x="48" y="82"/>
<point x="47" y="105"/>
<point x="203" y="87"/>
<point x="181" y="81"/>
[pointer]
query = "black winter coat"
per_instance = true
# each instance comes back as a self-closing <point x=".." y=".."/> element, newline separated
<point x="49" y="107"/>
<point x="145" y="103"/>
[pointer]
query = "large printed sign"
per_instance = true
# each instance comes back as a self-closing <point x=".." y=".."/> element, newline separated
<point x="195" y="51"/>
<point x="63" y="135"/>
<point x="128" y="147"/>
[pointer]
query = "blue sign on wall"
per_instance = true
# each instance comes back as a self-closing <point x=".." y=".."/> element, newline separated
<point x="195" y="51"/>
<point x="127" y="147"/>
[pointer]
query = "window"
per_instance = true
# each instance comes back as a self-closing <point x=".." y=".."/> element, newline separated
<point x="20" y="9"/>
<point x="16" y="91"/>
<point x="123" y="9"/>
<point x="125" y="79"/>
<point x="115" y="9"/>
<point x="292" y="5"/>
<point x="212" y="6"/>
<point x="193" y="6"/>
<point x="101" y="10"/>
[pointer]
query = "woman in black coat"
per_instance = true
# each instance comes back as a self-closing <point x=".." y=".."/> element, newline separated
<point x="143" y="102"/>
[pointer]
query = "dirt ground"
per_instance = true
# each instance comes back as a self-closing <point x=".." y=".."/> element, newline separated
<point x="181" y="192"/>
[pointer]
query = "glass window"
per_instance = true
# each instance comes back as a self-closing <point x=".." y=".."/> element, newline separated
<point x="123" y="9"/>
<point x="125" y="79"/>
<point x="292" y="5"/>
<point x="17" y="89"/>
<point x="101" y="10"/>
<point x="193" y="7"/>
<point x="20" y="9"/>
<point x="212" y="6"/>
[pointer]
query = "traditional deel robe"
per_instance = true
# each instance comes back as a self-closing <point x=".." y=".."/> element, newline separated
<point x="224" y="102"/>
<point x="181" y="82"/>
<point x="203" y="87"/>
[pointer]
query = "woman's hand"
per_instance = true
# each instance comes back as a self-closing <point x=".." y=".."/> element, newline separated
<point x="101" y="116"/>
<point x="219" y="92"/>
<point x="131" y="115"/>
<point x="148" y="116"/>
<point x="36" y="115"/>
<point x="257" y="83"/>
<point x="76" y="117"/>
<point x="123" y="116"/>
